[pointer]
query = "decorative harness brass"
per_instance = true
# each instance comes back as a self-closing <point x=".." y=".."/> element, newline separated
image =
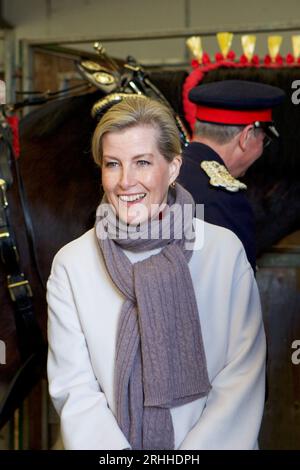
<point x="118" y="81"/>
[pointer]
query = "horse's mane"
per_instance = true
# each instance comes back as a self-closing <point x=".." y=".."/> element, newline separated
<point x="170" y="84"/>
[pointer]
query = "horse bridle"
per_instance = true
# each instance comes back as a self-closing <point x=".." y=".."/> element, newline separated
<point x="20" y="292"/>
<point x="20" y="288"/>
<point x="31" y="345"/>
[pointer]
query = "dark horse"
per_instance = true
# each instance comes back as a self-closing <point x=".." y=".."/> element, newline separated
<point x="63" y="189"/>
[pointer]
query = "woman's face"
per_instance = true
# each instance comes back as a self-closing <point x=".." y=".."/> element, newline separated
<point x="135" y="175"/>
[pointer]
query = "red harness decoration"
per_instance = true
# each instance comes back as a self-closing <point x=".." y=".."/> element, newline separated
<point x="196" y="76"/>
<point x="13" y="121"/>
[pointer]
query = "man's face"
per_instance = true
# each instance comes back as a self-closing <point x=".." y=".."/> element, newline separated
<point x="252" y="148"/>
<point x="255" y="147"/>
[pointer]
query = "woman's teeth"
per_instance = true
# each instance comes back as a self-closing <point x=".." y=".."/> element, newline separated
<point x="132" y="198"/>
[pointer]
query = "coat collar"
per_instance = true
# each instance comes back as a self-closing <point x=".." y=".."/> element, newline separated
<point x="199" y="152"/>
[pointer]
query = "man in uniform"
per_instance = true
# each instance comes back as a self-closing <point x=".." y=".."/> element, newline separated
<point x="234" y="123"/>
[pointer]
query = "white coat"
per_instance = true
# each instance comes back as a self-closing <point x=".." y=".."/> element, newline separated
<point x="84" y="309"/>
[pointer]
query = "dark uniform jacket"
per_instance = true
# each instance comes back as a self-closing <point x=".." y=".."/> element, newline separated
<point x="221" y="207"/>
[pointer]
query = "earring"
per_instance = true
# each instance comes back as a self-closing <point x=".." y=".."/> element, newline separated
<point x="172" y="185"/>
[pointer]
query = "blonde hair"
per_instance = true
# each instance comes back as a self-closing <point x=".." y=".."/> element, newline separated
<point x="136" y="110"/>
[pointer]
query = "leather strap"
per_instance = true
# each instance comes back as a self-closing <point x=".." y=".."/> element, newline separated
<point x="28" y="332"/>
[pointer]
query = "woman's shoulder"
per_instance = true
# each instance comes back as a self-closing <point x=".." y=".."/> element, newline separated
<point x="77" y="251"/>
<point x="214" y="242"/>
<point x="211" y="233"/>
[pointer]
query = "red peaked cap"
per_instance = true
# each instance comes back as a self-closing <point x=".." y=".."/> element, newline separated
<point x="236" y="102"/>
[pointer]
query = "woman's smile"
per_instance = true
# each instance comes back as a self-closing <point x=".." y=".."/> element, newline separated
<point x="130" y="199"/>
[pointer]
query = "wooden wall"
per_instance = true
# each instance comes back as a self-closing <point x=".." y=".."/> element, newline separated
<point x="279" y="285"/>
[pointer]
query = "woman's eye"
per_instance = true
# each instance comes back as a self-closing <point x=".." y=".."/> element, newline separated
<point x="110" y="164"/>
<point x="143" y="162"/>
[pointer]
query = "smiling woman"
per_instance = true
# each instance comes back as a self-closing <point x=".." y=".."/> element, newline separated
<point x="134" y="172"/>
<point x="139" y="151"/>
<point x="153" y="340"/>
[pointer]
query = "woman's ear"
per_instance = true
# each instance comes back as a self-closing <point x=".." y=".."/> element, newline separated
<point x="244" y="136"/>
<point x="174" y="168"/>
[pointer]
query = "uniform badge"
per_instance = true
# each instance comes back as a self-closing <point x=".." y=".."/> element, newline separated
<point x="220" y="177"/>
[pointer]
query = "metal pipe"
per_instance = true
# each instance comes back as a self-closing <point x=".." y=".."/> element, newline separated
<point x="172" y="34"/>
<point x="9" y="65"/>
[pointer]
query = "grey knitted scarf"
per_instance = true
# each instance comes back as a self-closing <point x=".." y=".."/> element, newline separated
<point x="160" y="358"/>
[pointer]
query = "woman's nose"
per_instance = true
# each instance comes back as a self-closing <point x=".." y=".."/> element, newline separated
<point x="127" y="178"/>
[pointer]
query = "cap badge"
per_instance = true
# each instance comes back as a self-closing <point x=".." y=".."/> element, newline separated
<point x="220" y="177"/>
